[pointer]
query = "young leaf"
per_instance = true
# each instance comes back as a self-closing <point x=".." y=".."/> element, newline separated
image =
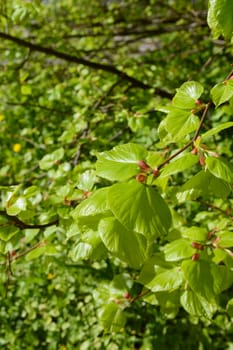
<point x="178" y="250"/>
<point x="51" y="159"/>
<point x="180" y="164"/>
<point x="195" y="305"/>
<point x="220" y="168"/>
<point x="202" y="278"/>
<point x="216" y="130"/>
<point x="180" y="123"/>
<point x="187" y="95"/>
<point x="166" y="281"/>
<point x="112" y="317"/>
<point x="127" y="245"/>
<point x="222" y="92"/>
<point x="139" y="208"/>
<point x="219" y="18"/>
<point x="93" y="205"/>
<point x="120" y="163"/>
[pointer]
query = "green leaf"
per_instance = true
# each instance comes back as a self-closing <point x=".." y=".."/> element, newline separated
<point x="49" y="160"/>
<point x="202" y="184"/>
<point x="154" y="265"/>
<point x="120" y="163"/>
<point x="229" y="307"/>
<point x="93" y="205"/>
<point x="203" y="278"/>
<point x="222" y="92"/>
<point x="220" y="168"/>
<point x="127" y="245"/>
<point x="180" y="164"/>
<point x="219" y="18"/>
<point x="7" y="232"/>
<point x="216" y="130"/>
<point x="195" y="233"/>
<point x="178" y="250"/>
<point x="139" y="208"/>
<point x="86" y="180"/>
<point x="180" y="123"/>
<point x="195" y="305"/>
<point x="19" y="205"/>
<point x="36" y="253"/>
<point x="187" y="95"/>
<point x="166" y="281"/>
<point x="226" y="239"/>
<point x="112" y="317"/>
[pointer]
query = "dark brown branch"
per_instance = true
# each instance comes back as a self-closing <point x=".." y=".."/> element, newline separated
<point x="203" y="117"/>
<point x="22" y="225"/>
<point x="94" y="65"/>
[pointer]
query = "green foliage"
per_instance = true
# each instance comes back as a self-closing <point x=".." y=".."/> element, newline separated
<point x="115" y="177"/>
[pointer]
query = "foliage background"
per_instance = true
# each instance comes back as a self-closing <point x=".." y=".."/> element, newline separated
<point x="120" y="60"/>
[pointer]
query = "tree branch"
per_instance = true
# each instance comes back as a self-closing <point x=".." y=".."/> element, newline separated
<point x="94" y="65"/>
<point x="22" y="225"/>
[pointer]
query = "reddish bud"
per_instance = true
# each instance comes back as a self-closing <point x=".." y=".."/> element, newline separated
<point x="156" y="172"/>
<point x="194" y="151"/>
<point x="197" y="245"/>
<point x="143" y="165"/>
<point x="141" y="177"/>
<point x="127" y="296"/>
<point x="228" y="211"/>
<point x="195" y="257"/>
<point x="214" y="154"/>
<point x="13" y="253"/>
<point x="198" y="102"/>
<point x="202" y="160"/>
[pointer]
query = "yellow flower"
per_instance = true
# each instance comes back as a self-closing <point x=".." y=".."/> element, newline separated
<point x="17" y="147"/>
<point x="63" y="347"/>
<point x="50" y="276"/>
<point x="1" y="117"/>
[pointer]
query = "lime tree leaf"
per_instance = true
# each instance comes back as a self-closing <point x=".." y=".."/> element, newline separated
<point x="154" y="265"/>
<point x="7" y="232"/>
<point x="127" y="245"/>
<point x="120" y="163"/>
<point x="178" y="250"/>
<point x="195" y="233"/>
<point x="216" y="130"/>
<point x="112" y="317"/>
<point x="51" y="159"/>
<point x="187" y="95"/>
<point x="219" y="18"/>
<point x="166" y="281"/>
<point x="202" y="184"/>
<point x="222" y="92"/>
<point x="229" y="307"/>
<point x="180" y="164"/>
<point x="203" y="278"/>
<point x="139" y="208"/>
<point x="36" y="253"/>
<point x="93" y="205"/>
<point x="195" y="305"/>
<point x="180" y="123"/>
<point x="226" y="279"/>
<point x="169" y="302"/>
<point x="226" y="239"/>
<point x="86" y="180"/>
<point x="19" y="205"/>
<point x="91" y="248"/>
<point x="220" y="168"/>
